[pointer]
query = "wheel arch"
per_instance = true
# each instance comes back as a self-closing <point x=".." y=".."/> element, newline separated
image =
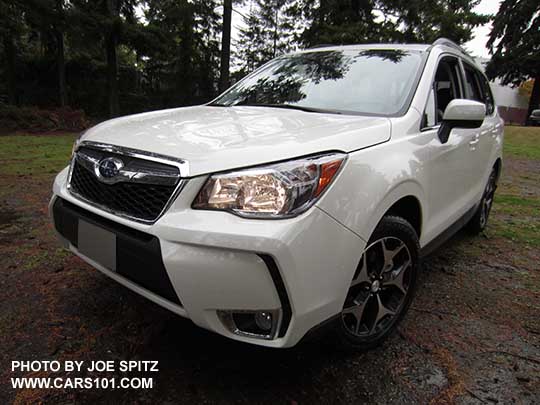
<point x="406" y="200"/>
<point x="408" y="208"/>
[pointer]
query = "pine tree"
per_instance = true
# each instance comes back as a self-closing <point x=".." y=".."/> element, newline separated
<point x="514" y="43"/>
<point x="186" y="63"/>
<point x="11" y="28"/>
<point x="424" y="21"/>
<point x="363" y="21"/>
<point x="48" y="19"/>
<point x="338" y="22"/>
<point x="269" y="32"/>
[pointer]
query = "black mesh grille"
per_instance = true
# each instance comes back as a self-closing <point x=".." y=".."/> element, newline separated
<point x="142" y="201"/>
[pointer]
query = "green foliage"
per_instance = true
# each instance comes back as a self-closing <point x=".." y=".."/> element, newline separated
<point x="357" y="21"/>
<point x="515" y="45"/>
<point x="37" y="120"/>
<point x="269" y="32"/>
<point x="151" y="54"/>
<point x="186" y="65"/>
<point x="515" y="42"/>
<point x="168" y="58"/>
<point x="425" y="21"/>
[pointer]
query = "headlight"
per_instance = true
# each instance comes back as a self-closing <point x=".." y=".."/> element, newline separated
<point x="76" y="143"/>
<point x="275" y="191"/>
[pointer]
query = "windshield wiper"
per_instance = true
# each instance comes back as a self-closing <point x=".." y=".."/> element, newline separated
<point x="291" y="107"/>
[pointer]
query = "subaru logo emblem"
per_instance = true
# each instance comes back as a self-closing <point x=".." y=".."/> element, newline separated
<point x="110" y="167"/>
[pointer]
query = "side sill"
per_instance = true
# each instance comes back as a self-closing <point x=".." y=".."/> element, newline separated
<point x="445" y="235"/>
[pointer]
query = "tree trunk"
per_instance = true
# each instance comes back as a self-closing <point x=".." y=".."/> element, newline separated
<point x="61" y="63"/>
<point x="10" y="56"/>
<point x="276" y="16"/>
<point x="534" y="101"/>
<point x="111" y="42"/>
<point x="60" y="54"/>
<point x="225" y="46"/>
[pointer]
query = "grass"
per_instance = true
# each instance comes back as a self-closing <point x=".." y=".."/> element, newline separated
<point x="522" y="142"/>
<point x="35" y="155"/>
<point x="517" y="202"/>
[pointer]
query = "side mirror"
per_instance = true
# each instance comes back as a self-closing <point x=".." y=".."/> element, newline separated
<point x="461" y="113"/>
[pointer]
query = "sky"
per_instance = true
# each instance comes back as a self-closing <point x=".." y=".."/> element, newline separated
<point x="476" y="47"/>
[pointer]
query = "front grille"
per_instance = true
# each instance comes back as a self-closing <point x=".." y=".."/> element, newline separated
<point x="137" y="200"/>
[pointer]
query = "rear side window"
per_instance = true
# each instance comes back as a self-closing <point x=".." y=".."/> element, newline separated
<point x="472" y="86"/>
<point x="486" y="93"/>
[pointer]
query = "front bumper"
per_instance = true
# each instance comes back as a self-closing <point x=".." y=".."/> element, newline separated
<point x="214" y="261"/>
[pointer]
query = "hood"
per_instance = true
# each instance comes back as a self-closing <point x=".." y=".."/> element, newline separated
<point x="214" y="139"/>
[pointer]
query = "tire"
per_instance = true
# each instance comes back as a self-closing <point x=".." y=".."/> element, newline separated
<point x="479" y="221"/>
<point x="382" y="287"/>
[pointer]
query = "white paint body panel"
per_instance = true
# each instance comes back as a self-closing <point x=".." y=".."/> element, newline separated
<point x="216" y="138"/>
<point x="211" y="257"/>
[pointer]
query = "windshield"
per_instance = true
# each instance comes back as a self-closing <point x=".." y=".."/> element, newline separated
<point x="375" y="82"/>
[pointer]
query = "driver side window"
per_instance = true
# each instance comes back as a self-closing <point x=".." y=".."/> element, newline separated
<point x="445" y="88"/>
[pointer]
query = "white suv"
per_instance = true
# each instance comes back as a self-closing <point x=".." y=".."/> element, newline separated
<point x="303" y="196"/>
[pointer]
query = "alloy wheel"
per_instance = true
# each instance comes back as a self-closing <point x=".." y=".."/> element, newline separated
<point x="487" y="201"/>
<point x="379" y="288"/>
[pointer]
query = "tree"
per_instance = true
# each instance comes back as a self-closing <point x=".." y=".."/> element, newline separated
<point x="525" y="88"/>
<point x="106" y="22"/>
<point x="11" y="26"/>
<point x="225" y="46"/>
<point x="186" y="67"/>
<point x="424" y="21"/>
<point x="514" y="43"/>
<point x="59" y="27"/>
<point x="269" y="32"/>
<point x="361" y="21"/>
<point x="48" y="17"/>
<point x="338" y="22"/>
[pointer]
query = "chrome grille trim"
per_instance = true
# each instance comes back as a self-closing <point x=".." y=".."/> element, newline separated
<point x="146" y="177"/>
<point x="182" y="164"/>
<point x="141" y="177"/>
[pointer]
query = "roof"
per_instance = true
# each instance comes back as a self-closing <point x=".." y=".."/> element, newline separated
<point x="404" y="47"/>
<point x="441" y="42"/>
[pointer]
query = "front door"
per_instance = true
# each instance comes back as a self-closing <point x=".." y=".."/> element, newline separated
<point x="451" y="167"/>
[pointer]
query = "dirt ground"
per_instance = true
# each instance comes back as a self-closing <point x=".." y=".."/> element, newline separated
<point x="472" y="335"/>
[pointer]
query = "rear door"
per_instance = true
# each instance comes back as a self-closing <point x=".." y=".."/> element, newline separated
<point x="477" y="88"/>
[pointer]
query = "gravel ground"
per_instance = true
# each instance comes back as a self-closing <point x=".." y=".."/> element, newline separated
<point x="472" y="335"/>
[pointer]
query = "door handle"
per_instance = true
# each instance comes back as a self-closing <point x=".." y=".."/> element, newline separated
<point x="473" y="143"/>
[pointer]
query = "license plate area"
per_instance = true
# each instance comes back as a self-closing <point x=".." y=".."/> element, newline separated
<point x="97" y="244"/>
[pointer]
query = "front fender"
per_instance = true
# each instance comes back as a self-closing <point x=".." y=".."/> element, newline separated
<point x="371" y="182"/>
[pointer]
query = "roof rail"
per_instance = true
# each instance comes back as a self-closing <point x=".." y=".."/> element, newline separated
<point x="450" y="43"/>
<point x="321" y="46"/>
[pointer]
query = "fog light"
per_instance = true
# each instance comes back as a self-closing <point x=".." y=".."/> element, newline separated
<point x="264" y="320"/>
<point x="254" y="324"/>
